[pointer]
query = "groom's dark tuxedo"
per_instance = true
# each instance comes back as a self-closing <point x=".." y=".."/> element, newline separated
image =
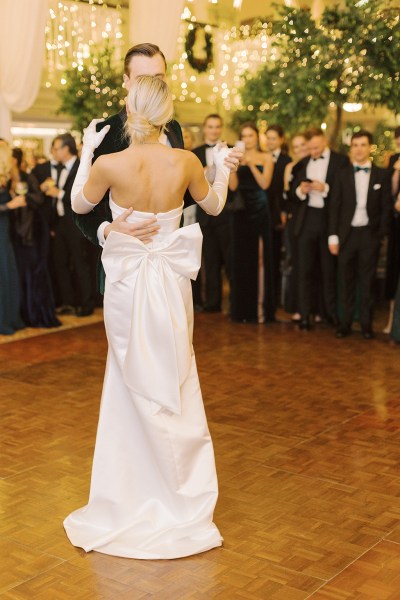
<point x="116" y="141"/>
<point x="360" y="228"/>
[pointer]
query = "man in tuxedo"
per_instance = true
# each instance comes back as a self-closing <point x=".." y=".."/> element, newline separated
<point x="216" y="235"/>
<point x="142" y="59"/>
<point x="70" y="257"/>
<point x="359" y="213"/>
<point x="310" y="194"/>
<point x="275" y="137"/>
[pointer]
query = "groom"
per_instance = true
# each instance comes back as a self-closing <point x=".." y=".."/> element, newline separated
<point x="142" y="59"/>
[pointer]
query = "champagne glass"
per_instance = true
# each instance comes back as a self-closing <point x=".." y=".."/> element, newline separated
<point x="21" y="188"/>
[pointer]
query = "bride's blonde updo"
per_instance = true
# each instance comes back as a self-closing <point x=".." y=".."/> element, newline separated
<point x="149" y="107"/>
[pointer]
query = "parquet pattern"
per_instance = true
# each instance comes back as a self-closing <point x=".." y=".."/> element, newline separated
<point x="306" y="431"/>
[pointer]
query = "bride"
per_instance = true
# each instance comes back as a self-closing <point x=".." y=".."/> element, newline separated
<point x="154" y="485"/>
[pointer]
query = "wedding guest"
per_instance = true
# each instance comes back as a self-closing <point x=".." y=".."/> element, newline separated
<point x="275" y="138"/>
<point x="216" y="231"/>
<point x="253" y="296"/>
<point x="10" y="293"/>
<point x="395" y="331"/>
<point x="48" y="174"/>
<point x="311" y="196"/>
<point x="299" y="151"/>
<point x="393" y="251"/>
<point x="29" y="233"/>
<point x="70" y="253"/>
<point x="358" y="220"/>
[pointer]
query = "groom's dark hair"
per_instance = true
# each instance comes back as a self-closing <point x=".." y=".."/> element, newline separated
<point x="147" y="49"/>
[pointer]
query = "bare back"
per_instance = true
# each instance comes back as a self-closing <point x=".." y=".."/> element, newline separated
<point x="151" y="177"/>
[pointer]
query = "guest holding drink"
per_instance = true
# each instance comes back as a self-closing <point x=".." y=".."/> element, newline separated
<point x="10" y="297"/>
<point x="31" y="244"/>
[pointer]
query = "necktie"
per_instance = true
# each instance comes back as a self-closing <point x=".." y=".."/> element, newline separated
<point x="365" y="169"/>
<point x="59" y="168"/>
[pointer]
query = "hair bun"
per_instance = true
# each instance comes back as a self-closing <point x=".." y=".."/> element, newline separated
<point x="149" y="107"/>
<point x="139" y="127"/>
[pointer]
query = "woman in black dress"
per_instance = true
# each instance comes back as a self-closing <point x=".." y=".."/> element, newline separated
<point x="10" y="298"/>
<point x="393" y="252"/>
<point x="30" y="237"/>
<point x="252" y="294"/>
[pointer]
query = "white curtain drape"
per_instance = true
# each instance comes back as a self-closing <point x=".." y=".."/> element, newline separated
<point x="157" y="22"/>
<point x="22" y="29"/>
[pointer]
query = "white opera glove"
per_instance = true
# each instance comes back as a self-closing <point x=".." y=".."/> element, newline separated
<point x="215" y="200"/>
<point x="91" y="140"/>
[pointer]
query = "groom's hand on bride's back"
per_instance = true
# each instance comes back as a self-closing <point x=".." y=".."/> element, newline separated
<point x="143" y="231"/>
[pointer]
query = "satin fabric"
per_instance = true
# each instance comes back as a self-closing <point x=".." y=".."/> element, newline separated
<point x="154" y="485"/>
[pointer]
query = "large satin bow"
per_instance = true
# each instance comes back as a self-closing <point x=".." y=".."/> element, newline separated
<point x="159" y="352"/>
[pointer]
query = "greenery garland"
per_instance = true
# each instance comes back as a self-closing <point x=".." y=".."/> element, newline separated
<point x="199" y="64"/>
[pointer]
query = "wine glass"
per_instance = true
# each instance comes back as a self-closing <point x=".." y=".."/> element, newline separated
<point x="21" y="188"/>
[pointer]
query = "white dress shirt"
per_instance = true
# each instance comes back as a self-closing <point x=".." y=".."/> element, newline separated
<point x="163" y="139"/>
<point x="61" y="182"/>
<point x="53" y="170"/>
<point x="360" y="217"/>
<point x="317" y="170"/>
<point x="361" y="178"/>
<point x="275" y="155"/>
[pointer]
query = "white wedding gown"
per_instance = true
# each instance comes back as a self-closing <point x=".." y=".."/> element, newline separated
<point x="154" y="485"/>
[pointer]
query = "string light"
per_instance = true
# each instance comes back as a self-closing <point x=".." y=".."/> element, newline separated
<point x="72" y="29"/>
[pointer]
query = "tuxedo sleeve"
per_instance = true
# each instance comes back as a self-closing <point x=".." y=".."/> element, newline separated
<point x="386" y="204"/>
<point x="34" y="197"/>
<point x="334" y="206"/>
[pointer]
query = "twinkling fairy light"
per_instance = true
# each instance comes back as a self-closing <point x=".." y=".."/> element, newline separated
<point x="73" y="28"/>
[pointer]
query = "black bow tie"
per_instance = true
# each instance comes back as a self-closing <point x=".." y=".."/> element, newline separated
<point x="319" y="157"/>
<point x="210" y="145"/>
<point x="365" y="169"/>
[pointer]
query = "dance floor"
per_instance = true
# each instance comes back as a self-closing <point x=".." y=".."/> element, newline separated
<point x="307" y="438"/>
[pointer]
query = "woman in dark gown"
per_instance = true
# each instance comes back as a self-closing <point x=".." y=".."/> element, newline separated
<point x="30" y="238"/>
<point x="393" y="251"/>
<point x="395" y="326"/>
<point x="252" y="293"/>
<point x="10" y="298"/>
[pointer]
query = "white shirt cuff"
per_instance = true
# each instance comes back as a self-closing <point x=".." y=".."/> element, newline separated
<point x="300" y="194"/>
<point x="326" y="190"/>
<point x="333" y="240"/>
<point x="100" y="233"/>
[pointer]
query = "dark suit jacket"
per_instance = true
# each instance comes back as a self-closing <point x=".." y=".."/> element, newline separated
<point x="115" y="141"/>
<point x="336" y="162"/>
<point x="67" y="188"/>
<point x="275" y="190"/>
<point x="343" y="203"/>
<point x="41" y="173"/>
<point x="202" y="217"/>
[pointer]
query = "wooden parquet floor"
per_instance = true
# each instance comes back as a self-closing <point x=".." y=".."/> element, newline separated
<point x="307" y="438"/>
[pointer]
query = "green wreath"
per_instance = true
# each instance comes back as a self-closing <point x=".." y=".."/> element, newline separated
<point x="200" y="64"/>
